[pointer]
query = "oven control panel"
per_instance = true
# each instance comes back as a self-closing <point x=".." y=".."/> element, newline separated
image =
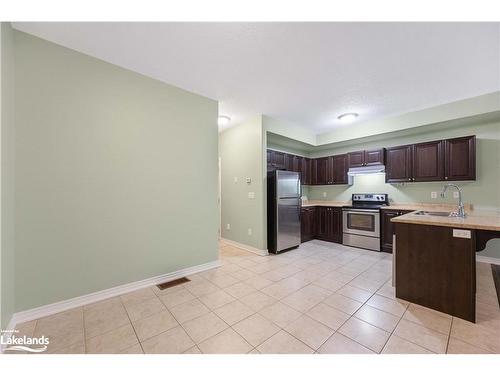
<point x="381" y="198"/>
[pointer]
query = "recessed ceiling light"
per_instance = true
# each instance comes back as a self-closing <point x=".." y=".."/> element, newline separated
<point x="223" y="120"/>
<point x="348" y="117"/>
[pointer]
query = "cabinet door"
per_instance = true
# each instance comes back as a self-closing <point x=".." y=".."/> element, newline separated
<point x="356" y="159"/>
<point x="398" y="164"/>
<point x="387" y="228"/>
<point x="309" y="171"/>
<point x="307" y="224"/>
<point x="338" y="169"/>
<point x="428" y="161"/>
<point x="269" y="156"/>
<point x="297" y="164"/>
<point x="289" y="162"/>
<point x="336" y="225"/>
<point x="321" y="171"/>
<point x="279" y="159"/>
<point x="322" y="230"/>
<point x="304" y="217"/>
<point x="460" y="159"/>
<point x="374" y="157"/>
<point x="305" y="171"/>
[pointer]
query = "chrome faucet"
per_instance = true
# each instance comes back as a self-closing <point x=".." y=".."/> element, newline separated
<point x="461" y="211"/>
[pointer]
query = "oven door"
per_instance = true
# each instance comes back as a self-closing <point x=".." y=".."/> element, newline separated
<point x="362" y="222"/>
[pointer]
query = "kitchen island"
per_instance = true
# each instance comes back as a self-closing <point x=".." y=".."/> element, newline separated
<point x="435" y="259"/>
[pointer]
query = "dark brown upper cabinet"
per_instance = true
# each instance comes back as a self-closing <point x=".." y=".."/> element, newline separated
<point x="320" y="171"/>
<point x="279" y="160"/>
<point x="398" y="164"/>
<point x="449" y="160"/>
<point x="364" y="158"/>
<point x="460" y="158"/>
<point x="305" y="171"/>
<point x="337" y="169"/>
<point x="428" y="161"/>
<point x="292" y="163"/>
<point x="375" y="157"/>
<point x="356" y="159"/>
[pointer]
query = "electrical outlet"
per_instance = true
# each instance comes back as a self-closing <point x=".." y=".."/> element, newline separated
<point x="455" y="194"/>
<point x="251" y="195"/>
<point x="324" y="194"/>
<point x="461" y="233"/>
<point x="228" y="226"/>
<point x="434" y="195"/>
<point x="249" y="231"/>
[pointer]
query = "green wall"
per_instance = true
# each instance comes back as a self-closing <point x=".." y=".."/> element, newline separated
<point x="116" y="175"/>
<point x="242" y="149"/>
<point x="7" y="303"/>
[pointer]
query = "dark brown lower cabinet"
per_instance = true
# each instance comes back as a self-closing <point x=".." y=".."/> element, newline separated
<point x="435" y="269"/>
<point x="307" y="228"/>
<point x="387" y="228"/>
<point x="328" y="223"/>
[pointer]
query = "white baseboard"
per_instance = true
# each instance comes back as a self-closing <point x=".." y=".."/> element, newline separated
<point x="483" y="259"/>
<point x="54" y="308"/>
<point x="245" y="247"/>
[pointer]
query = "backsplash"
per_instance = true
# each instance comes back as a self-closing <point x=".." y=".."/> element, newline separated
<point x="473" y="191"/>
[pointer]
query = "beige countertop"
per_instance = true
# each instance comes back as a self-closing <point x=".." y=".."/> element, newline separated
<point x="475" y="219"/>
<point x="395" y="206"/>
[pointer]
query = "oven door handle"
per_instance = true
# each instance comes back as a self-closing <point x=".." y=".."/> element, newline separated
<point x="360" y="210"/>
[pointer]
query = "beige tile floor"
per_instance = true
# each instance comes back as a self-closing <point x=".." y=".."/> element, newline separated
<point x="320" y="298"/>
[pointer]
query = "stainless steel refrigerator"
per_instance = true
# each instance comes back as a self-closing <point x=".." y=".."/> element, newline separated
<point x="283" y="210"/>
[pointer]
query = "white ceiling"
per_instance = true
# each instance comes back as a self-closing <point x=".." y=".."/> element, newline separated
<point x="305" y="73"/>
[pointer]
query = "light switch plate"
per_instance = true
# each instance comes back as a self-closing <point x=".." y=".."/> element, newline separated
<point x="324" y="194"/>
<point x="236" y="180"/>
<point x="251" y="195"/>
<point x="434" y="195"/>
<point x="249" y="231"/>
<point x="461" y="233"/>
<point x="228" y="226"/>
<point x="455" y="194"/>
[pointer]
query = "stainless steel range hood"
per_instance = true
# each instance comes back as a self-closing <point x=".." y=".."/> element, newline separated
<point x="370" y="169"/>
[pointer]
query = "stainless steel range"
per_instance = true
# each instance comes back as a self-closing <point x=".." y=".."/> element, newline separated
<point x="361" y="221"/>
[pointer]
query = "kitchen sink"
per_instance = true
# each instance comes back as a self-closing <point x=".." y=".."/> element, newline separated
<point x="433" y="213"/>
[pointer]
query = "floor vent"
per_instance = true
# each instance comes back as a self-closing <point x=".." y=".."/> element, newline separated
<point x="495" y="269"/>
<point x="170" y="284"/>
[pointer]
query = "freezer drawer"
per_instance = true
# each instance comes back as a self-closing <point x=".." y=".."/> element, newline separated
<point x="288" y="223"/>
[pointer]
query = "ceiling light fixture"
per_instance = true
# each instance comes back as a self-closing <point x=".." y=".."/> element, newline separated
<point x="348" y="117"/>
<point x="223" y="120"/>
